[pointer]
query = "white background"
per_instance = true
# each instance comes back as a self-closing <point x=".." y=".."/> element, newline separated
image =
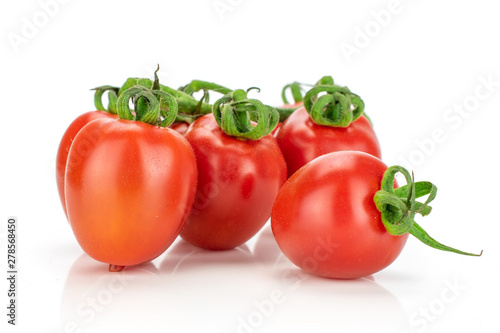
<point x="414" y="70"/>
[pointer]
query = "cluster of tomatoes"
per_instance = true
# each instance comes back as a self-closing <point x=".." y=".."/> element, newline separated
<point x="132" y="181"/>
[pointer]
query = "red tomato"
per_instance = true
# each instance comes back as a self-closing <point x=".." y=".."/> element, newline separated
<point x="129" y="189"/>
<point x="65" y="145"/>
<point x="301" y="140"/>
<point x="326" y="222"/>
<point x="180" y="127"/>
<point x="238" y="181"/>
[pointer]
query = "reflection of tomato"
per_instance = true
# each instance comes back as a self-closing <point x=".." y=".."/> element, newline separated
<point x="93" y="298"/>
<point x="65" y="145"/>
<point x="325" y="220"/>
<point x="352" y="298"/>
<point x="301" y="140"/>
<point x="129" y="189"/>
<point x="191" y="273"/>
<point x="237" y="183"/>
<point x="184" y="258"/>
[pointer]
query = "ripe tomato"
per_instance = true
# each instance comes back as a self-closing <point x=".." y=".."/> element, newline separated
<point x="65" y="145"/>
<point x="285" y="106"/>
<point x="325" y="221"/>
<point x="301" y="140"/>
<point x="180" y="127"/>
<point x="129" y="189"/>
<point x="238" y="181"/>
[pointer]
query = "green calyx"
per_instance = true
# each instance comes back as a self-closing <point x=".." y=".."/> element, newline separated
<point x="151" y="106"/>
<point x="398" y="207"/>
<point x="112" y="98"/>
<point x="297" y="89"/>
<point x="187" y="105"/>
<point x="234" y="113"/>
<point x="332" y="105"/>
<point x="147" y="106"/>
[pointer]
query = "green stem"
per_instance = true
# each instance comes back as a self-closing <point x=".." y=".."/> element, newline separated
<point x="187" y="118"/>
<point x="399" y="206"/>
<point x="424" y="237"/>
<point x="284" y="113"/>
<point x="190" y="118"/>
<point x="197" y="85"/>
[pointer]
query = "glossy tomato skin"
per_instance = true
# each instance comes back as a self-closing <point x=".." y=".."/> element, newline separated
<point x="65" y="145"/>
<point x="238" y="181"/>
<point x="325" y="221"/>
<point x="301" y="140"/>
<point x="129" y="189"/>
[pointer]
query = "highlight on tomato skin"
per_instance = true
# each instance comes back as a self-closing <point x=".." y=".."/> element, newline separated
<point x="65" y="145"/>
<point x="325" y="221"/>
<point x="129" y="189"/>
